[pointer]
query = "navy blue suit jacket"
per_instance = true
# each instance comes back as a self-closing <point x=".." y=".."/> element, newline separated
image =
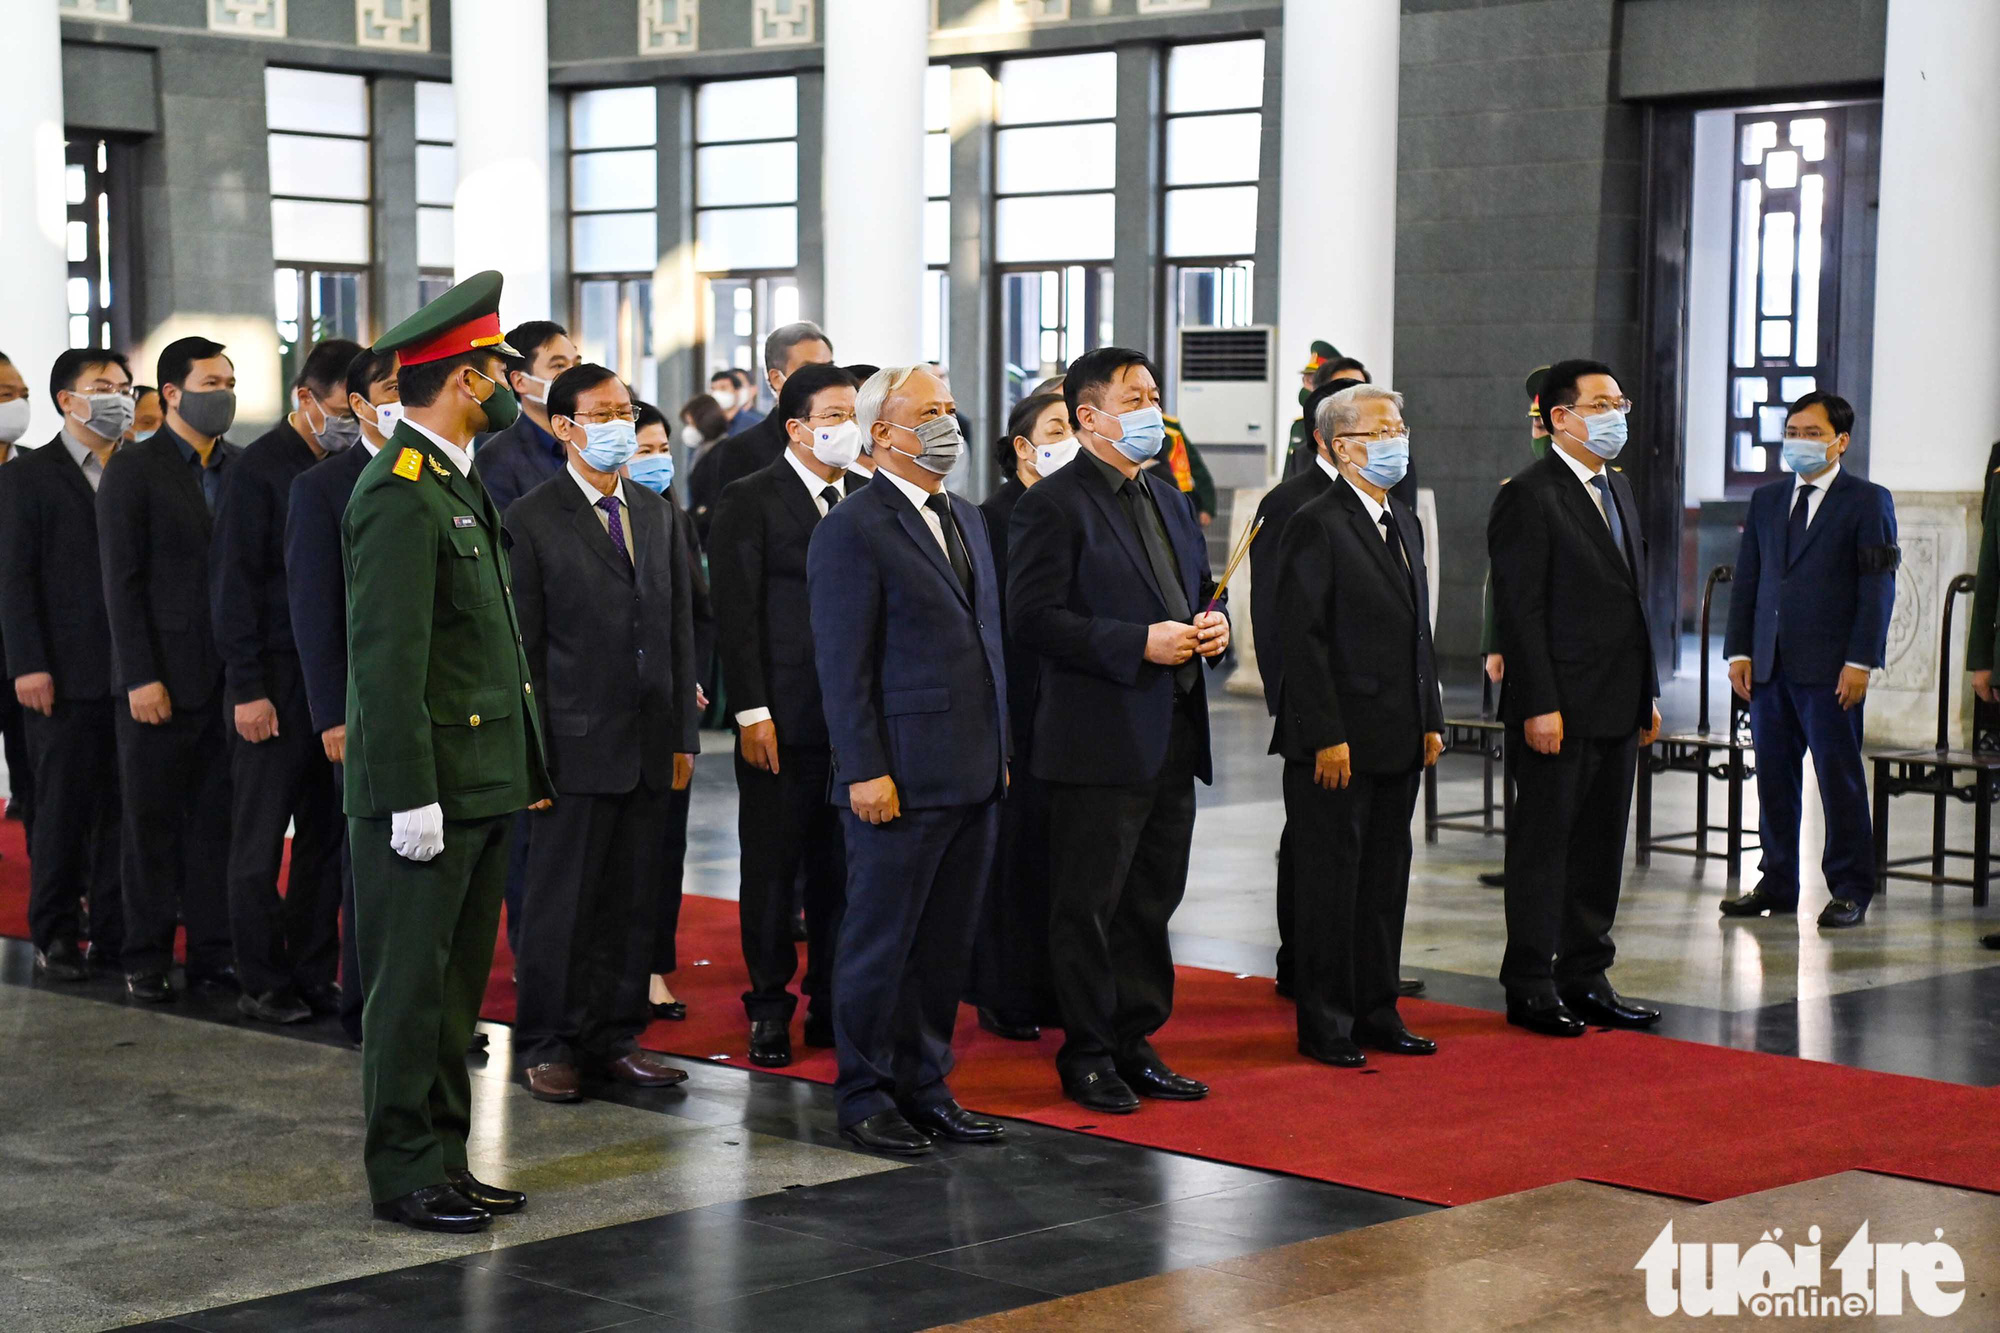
<point x="1080" y="598"/>
<point x="1826" y="604"/>
<point x="512" y="462"/>
<point x="912" y="672"/>
<point x="316" y="582"/>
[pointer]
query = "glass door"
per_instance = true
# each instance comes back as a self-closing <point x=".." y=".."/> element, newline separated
<point x="1048" y="318"/>
<point x="739" y="313"/>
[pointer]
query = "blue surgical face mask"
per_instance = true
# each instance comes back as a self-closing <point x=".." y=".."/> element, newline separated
<point x="1606" y="436"/>
<point x="653" y="471"/>
<point x="1388" y="461"/>
<point x="608" y="445"/>
<point x="1805" y="457"/>
<point x="1144" y="430"/>
<point x="143" y="436"/>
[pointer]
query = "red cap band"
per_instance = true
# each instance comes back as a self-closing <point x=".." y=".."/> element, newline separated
<point x="481" y="332"/>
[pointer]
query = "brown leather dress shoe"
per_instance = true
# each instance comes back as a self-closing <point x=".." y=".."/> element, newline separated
<point x="643" y="1069"/>
<point x="555" y="1083"/>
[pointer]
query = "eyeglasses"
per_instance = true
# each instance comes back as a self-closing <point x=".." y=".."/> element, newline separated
<point x="100" y="387"/>
<point x="835" y="417"/>
<point x="1395" y="432"/>
<point x="1598" y="406"/>
<point x="603" y="415"/>
<point x="1815" y="433"/>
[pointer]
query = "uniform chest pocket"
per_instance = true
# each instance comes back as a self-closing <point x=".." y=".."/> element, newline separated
<point x="475" y="573"/>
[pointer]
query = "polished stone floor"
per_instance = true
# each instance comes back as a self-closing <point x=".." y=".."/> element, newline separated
<point x="181" y="1167"/>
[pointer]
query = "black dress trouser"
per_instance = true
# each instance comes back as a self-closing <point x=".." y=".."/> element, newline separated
<point x="1351" y="850"/>
<point x="14" y="745"/>
<point x="673" y="869"/>
<point x="1565" y="862"/>
<point x="175" y="781"/>
<point x="784" y="823"/>
<point x="74" y="843"/>
<point x="1119" y="867"/>
<point x="288" y="942"/>
<point x="1010" y="955"/>
<point x="587" y="924"/>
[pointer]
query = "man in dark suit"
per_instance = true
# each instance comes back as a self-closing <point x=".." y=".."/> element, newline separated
<point x="1359" y="718"/>
<point x="155" y="513"/>
<point x="287" y="946"/>
<point x="59" y="663"/>
<point x="1569" y="580"/>
<point x="906" y="632"/>
<point x="317" y="587"/>
<point x="16" y="407"/>
<point x="607" y="623"/>
<point x="1106" y="583"/>
<point x="757" y="568"/>
<point x="514" y="461"/>
<point x="1808" y="620"/>
<point x="743" y="452"/>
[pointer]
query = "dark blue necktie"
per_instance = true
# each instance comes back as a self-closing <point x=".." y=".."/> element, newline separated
<point x="1603" y="485"/>
<point x="1795" y="531"/>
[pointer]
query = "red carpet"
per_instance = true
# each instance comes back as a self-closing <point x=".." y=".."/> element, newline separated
<point x="1495" y="1112"/>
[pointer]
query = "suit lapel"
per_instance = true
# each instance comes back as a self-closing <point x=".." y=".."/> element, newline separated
<point x="591" y="531"/>
<point x="1583" y="508"/>
<point x="72" y="475"/>
<point x="792" y="495"/>
<point x="1370" y="534"/>
<point x="920" y="532"/>
<point x="1114" y="514"/>
<point x="1829" y="505"/>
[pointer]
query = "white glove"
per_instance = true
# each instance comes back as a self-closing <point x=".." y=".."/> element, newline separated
<point x="417" y="835"/>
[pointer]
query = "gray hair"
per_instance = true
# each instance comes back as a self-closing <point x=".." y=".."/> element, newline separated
<point x="1340" y="412"/>
<point x="868" y="403"/>
<point x="784" y="338"/>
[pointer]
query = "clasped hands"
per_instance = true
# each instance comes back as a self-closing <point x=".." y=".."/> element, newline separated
<point x="1172" y="642"/>
<point x="1545" y="732"/>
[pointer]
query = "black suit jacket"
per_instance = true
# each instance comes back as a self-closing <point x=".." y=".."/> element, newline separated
<point x="1080" y="597"/>
<point x="610" y="641"/>
<point x="248" y="595"/>
<point x="757" y="568"/>
<point x="316" y="580"/>
<point x="514" y="461"/>
<point x="1356" y="625"/>
<point x="1021" y="667"/>
<point x="1571" y="613"/>
<point x="153" y="530"/>
<point x="728" y="460"/>
<point x="51" y="589"/>
<point x="1276" y="509"/>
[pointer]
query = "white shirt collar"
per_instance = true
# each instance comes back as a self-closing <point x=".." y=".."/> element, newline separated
<point x="83" y="454"/>
<point x="590" y="492"/>
<point x="372" y="449"/>
<point x="1374" y="507"/>
<point x="459" y="458"/>
<point x="1331" y="471"/>
<point x="1582" y="470"/>
<point x="815" y="484"/>
<point x="1824" y="481"/>
<point x="918" y="495"/>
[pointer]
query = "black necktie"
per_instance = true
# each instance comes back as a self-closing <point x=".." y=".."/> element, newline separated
<point x="1795" y="531"/>
<point x="1394" y="540"/>
<point x="1603" y="485"/>
<point x="954" y="548"/>
<point x="830" y="497"/>
<point x="1166" y="573"/>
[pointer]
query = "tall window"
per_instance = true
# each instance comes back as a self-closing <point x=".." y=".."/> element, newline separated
<point x="1214" y="126"/>
<point x="437" y="185"/>
<point x="746" y="220"/>
<point x="1785" y="279"/>
<point x="937" y="212"/>
<point x="92" y="244"/>
<point x="615" y="229"/>
<point x="318" y="147"/>
<point x="1055" y="164"/>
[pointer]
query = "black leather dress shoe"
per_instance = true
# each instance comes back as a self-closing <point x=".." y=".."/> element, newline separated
<point x="435" y="1208"/>
<point x="676" y="1012"/>
<point x="1756" y="903"/>
<point x="819" y="1032"/>
<point x="1494" y="879"/>
<point x="1002" y="1027"/>
<point x="1409" y="985"/>
<point x="152" y="987"/>
<point x="949" y="1120"/>
<point x="799" y="932"/>
<point x="1338" y="1052"/>
<point x="1101" y="1091"/>
<point x="1551" y="1018"/>
<point x="324" y="1001"/>
<point x="1607" y="1008"/>
<point x="887" y="1131"/>
<point x="214" y="980"/>
<point x="1842" y="913"/>
<point x="1991" y="941"/>
<point x="1398" y="1040"/>
<point x="1162" y="1083"/>
<point x="273" y="1007"/>
<point x="61" y="961"/>
<point x="1284" y="988"/>
<point x="478" y="1193"/>
<point x="770" y="1044"/>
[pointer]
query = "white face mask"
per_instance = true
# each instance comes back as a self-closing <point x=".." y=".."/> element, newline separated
<point x="837" y="446"/>
<point x="537" y="390"/>
<point x="387" y="417"/>
<point x="1055" y="455"/>
<point x="691" y="435"/>
<point x="724" y="398"/>
<point x="14" y="420"/>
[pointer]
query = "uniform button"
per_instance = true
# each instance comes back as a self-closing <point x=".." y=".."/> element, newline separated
<point x="527" y="687"/>
<point x="474" y="719"/>
<point x="475" y="550"/>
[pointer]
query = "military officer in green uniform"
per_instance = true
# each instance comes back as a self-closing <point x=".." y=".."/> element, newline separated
<point x="443" y="746"/>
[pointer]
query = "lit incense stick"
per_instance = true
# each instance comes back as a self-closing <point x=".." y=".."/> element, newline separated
<point x="1242" y="549"/>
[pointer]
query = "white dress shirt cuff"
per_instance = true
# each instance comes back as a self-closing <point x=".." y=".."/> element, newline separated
<point x="1740" y="657"/>
<point x="1861" y="666"/>
<point x="750" y="717"/>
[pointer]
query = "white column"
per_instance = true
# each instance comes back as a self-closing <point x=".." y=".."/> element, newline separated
<point x="1937" y="245"/>
<point x="1337" y="224"/>
<point x="500" y="84"/>
<point x="1937" y="336"/>
<point x="872" y="185"/>
<point x="33" y="214"/>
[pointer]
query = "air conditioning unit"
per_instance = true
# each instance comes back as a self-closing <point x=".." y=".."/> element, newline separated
<point x="1226" y="395"/>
